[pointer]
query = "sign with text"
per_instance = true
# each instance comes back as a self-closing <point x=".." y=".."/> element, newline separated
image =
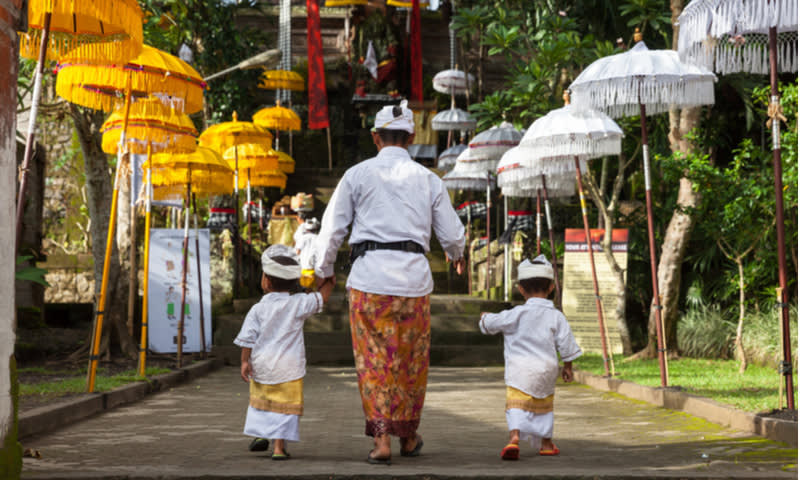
<point x="578" y="300"/>
<point x="164" y="294"/>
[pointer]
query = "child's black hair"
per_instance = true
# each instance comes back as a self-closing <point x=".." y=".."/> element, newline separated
<point x="281" y="284"/>
<point x="536" y="284"/>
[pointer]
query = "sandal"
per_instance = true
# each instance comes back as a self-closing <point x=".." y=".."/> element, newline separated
<point x="510" y="452"/>
<point x="378" y="461"/>
<point x="415" y="451"/>
<point x="549" y="452"/>
<point x="259" y="445"/>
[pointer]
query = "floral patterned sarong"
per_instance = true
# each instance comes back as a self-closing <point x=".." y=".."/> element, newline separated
<point x="391" y="346"/>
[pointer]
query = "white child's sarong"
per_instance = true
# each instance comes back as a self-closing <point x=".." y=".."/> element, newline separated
<point x="533" y="417"/>
<point x="275" y="410"/>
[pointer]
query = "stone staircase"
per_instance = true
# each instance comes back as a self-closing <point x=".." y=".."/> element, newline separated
<point x="455" y="338"/>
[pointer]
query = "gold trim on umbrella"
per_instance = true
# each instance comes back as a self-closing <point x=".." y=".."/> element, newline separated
<point x="282" y="80"/>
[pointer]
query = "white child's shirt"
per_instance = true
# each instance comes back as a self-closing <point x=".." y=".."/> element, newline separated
<point x="273" y="328"/>
<point x="534" y="334"/>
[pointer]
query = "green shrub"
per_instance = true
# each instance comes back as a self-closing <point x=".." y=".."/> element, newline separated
<point x="705" y="331"/>
<point x="761" y="337"/>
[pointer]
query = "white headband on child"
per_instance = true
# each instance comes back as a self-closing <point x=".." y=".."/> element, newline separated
<point x="275" y="269"/>
<point x="526" y="269"/>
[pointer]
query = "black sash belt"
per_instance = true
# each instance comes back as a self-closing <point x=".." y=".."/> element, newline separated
<point x="358" y="249"/>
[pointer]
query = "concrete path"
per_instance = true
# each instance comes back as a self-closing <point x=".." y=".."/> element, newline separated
<point x="194" y="431"/>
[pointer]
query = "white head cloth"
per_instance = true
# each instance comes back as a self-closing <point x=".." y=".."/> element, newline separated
<point x="275" y="269"/>
<point x="385" y="118"/>
<point x="526" y="269"/>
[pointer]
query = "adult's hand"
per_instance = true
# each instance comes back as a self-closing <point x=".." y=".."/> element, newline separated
<point x="460" y="265"/>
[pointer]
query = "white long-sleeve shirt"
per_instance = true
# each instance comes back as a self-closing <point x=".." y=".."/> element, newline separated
<point x="273" y="329"/>
<point x="534" y="334"/>
<point x="389" y="198"/>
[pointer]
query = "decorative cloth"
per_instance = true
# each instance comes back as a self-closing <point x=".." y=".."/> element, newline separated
<point x="527" y="269"/>
<point x="275" y="269"/>
<point x="391" y="345"/>
<point x="284" y="397"/>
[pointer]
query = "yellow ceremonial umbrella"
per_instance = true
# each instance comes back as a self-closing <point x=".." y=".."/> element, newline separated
<point x="110" y="29"/>
<point x="401" y="4"/>
<point x="100" y="86"/>
<point x="251" y="156"/>
<point x="221" y="137"/>
<point x="282" y="80"/>
<point x="152" y="128"/>
<point x="277" y="118"/>
<point x="204" y="168"/>
<point x="285" y="162"/>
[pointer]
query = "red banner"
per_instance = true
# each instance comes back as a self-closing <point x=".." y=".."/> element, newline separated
<point x="317" y="94"/>
<point x="416" y="52"/>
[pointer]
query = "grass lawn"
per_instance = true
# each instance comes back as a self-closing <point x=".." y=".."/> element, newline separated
<point x="756" y="390"/>
<point x="66" y="382"/>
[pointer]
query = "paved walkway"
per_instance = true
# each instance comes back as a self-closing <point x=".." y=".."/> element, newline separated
<point x="194" y="431"/>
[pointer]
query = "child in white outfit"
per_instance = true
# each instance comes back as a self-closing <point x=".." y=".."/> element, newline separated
<point x="273" y="352"/>
<point x="535" y="333"/>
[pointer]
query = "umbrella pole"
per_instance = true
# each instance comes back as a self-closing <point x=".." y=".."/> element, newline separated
<point x="538" y="221"/>
<point x="249" y="207"/>
<point x="238" y="243"/>
<point x="597" y="299"/>
<point x="469" y="250"/>
<point x="552" y="241"/>
<point x="133" y="274"/>
<point x="199" y="277"/>
<point x="786" y="364"/>
<point x="661" y="341"/>
<point x="330" y="153"/>
<point x="184" y="268"/>
<point x="506" y="256"/>
<point x="29" y="140"/>
<point x="488" y="236"/>
<point x="145" y="279"/>
<point x="97" y="329"/>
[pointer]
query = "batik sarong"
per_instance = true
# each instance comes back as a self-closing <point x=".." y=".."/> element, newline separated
<point x="391" y="345"/>
<point x="275" y="410"/>
<point x="532" y="416"/>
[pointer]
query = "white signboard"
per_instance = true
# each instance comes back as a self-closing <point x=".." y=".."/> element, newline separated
<point x="164" y="295"/>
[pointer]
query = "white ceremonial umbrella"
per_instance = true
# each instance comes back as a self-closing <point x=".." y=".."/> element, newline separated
<point x="753" y="36"/>
<point x="487" y="147"/>
<point x="642" y="81"/>
<point x="593" y="135"/>
<point x="453" y="119"/>
<point x="453" y="82"/>
<point x="447" y="159"/>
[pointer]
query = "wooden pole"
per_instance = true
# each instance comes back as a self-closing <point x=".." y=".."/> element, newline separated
<point x="97" y="329"/>
<point x="184" y="268"/>
<point x="488" y="236"/>
<point x="538" y="221"/>
<point x="145" y="280"/>
<point x="199" y="277"/>
<point x="238" y="240"/>
<point x="249" y="209"/>
<point x="597" y="299"/>
<point x="330" y="151"/>
<point x="777" y="173"/>
<point x="552" y="242"/>
<point x="506" y="256"/>
<point x="661" y="341"/>
<point x="31" y="136"/>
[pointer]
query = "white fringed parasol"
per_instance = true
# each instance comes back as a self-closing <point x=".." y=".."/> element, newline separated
<point x="570" y="131"/>
<point x="732" y="36"/>
<point x="453" y="119"/>
<point x="459" y="179"/>
<point x="755" y="36"/>
<point x="491" y="144"/>
<point x="453" y="82"/>
<point x="447" y="159"/>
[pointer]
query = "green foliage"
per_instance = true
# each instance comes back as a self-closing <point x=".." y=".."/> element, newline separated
<point x="756" y="390"/>
<point x="706" y="332"/>
<point x="762" y="336"/>
<point x="77" y="383"/>
<point x="210" y="29"/>
<point x="30" y="274"/>
<point x="650" y="16"/>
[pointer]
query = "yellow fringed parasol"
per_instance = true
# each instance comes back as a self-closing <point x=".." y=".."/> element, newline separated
<point x="401" y="4"/>
<point x="153" y="72"/>
<point x="265" y="178"/>
<point x="204" y="169"/>
<point x="282" y="79"/>
<point x="277" y="118"/>
<point x="150" y="122"/>
<point x="344" y="3"/>
<point x="109" y="29"/>
<point x="285" y="162"/>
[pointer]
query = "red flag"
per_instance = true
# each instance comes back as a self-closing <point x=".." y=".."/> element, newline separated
<point x="416" y="52"/>
<point x="317" y="95"/>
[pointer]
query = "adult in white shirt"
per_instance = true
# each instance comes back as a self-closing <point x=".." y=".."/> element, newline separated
<point x="390" y="204"/>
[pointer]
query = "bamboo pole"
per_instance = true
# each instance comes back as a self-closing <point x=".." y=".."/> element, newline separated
<point x="145" y="280"/>
<point x="506" y="256"/>
<point x="249" y="208"/>
<point x="97" y="329"/>
<point x="538" y="221"/>
<point x="238" y="240"/>
<point x="777" y="167"/>
<point x="552" y="241"/>
<point x="199" y="278"/>
<point x="29" y="140"/>
<point x="134" y="270"/>
<point x="651" y="237"/>
<point x="597" y="298"/>
<point x="184" y="268"/>
<point x="488" y="236"/>
<point x="779" y="296"/>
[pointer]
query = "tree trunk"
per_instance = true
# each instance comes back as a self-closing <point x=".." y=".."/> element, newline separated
<point x="738" y="342"/>
<point x="99" y="188"/>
